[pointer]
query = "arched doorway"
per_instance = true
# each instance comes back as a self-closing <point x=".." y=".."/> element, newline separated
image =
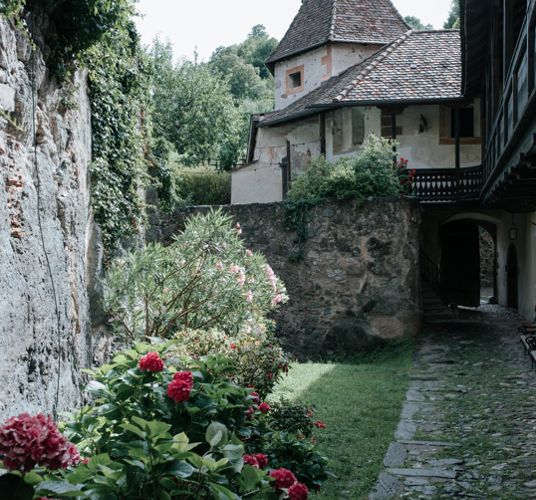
<point x="512" y="275"/>
<point x="460" y="263"/>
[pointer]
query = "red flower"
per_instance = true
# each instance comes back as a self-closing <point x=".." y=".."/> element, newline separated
<point x="264" y="408"/>
<point x="262" y="460"/>
<point x="283" y="478"/>
<point x="298" y="491"/>
<point x="249" y="412"/>
<point x="320" y="424"/>
<point x="27" y="441"/>
<point x="251" y="460"/>
<point x="255" y="396"/>
<point x="151" y="362"/>
<point x="233" y="346"/>
<point x="180" y="387"/>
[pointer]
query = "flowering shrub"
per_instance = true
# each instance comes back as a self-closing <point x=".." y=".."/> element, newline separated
<point x="157" y="433"/>
<point x="406" y="176"/>
<point x="205" y="279"/>
<point x="258" y="358"/>
<point x="28" y="441"/>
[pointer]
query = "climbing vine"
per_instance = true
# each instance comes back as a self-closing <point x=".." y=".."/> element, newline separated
<point x="100" y="36"/>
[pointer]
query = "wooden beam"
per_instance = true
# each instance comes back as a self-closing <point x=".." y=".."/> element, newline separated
<point x="322" y="126"/>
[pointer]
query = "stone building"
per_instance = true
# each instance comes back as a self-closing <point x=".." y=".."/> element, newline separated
<point x="346" y="69"/>
<point x="461" y="105"/>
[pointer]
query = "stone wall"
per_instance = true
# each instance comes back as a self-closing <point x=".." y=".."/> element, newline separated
<point x="357" y="282"/>
<point x="43" y="212"/>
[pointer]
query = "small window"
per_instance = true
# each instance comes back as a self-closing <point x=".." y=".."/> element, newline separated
<point x="467" y="122"/>
<point x="358" y="127"/>
<point x="468" y="126"/>
<point x="387" y="125"/>
<point x="295" y="80"/>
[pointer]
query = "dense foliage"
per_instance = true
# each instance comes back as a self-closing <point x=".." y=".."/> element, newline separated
<point x="453" y="21"/>
<point x="416" y="24"/>
<point x="201" y="109"/>
<point x="370" y="173"/>
<point x="166" y="430"/>
<point x="205" y="279"/>
<point x="203" y="186"/>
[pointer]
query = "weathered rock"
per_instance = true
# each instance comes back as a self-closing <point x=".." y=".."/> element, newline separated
<point x="45" y="225"/>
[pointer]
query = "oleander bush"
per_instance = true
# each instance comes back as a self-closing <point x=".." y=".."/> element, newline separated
<point x="206" y="278"/>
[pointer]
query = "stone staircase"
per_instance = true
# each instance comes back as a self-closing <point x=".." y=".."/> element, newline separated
<point x="434" y="308"/>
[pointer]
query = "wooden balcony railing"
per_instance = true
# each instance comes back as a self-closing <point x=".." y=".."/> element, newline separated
<point x="447" y="184"/>
<point x="517" y="103"/>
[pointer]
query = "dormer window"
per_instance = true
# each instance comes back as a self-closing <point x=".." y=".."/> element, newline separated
<point x="295" y="81"/>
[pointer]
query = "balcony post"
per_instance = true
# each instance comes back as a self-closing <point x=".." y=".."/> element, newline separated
<point x="457" y="148"/>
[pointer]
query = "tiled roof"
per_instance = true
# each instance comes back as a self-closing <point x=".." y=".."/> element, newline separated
<point x="418" y="66"/>
<point x="358" y="21"/>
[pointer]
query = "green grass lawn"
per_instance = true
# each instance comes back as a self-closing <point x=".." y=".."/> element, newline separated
<point x="361" y="404"/>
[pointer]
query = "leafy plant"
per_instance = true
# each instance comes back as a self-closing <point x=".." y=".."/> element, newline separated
<point x="257" y="355"/>
<point x="205" y="279"/>
<point x="371" y="173"/>
<point x="204" y="186"/>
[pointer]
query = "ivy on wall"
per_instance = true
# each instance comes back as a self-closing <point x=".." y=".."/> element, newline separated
<point x="100" y="36"/>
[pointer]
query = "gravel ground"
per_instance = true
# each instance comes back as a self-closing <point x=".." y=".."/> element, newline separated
<point x="468" y="427"/>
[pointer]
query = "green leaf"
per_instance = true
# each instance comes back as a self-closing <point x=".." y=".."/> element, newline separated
<point x="157" y="428"/>
<point x="13" y="487"/>
<point x="32" y="478"/>
<point x="216" y="434"/>
<point x="135" y="430"/>
<point x="233" y="452"/>
<point x="181" y="469"/>
<point x="250" y="478"/>
<point x="222" y="493"/>
<point x="60" y="488"/>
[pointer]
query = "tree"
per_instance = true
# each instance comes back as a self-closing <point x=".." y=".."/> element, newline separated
<point x="453" y="21"/>
<point x="416" y="24"/>
<point x="257" y="48"/>
<point x="193" y="109"/>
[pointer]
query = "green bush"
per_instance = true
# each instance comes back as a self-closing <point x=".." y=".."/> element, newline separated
<point x="259" y="359"/>
<point x="205" y="279"/>
<point x="156" y="430"/>
<point x="371" y="173"/>
<point x="204" y="186"/>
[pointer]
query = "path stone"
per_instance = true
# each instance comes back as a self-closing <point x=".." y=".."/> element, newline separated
<point x="472" y="396"/>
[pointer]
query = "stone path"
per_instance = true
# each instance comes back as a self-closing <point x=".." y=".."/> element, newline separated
<point x="468" y="426"/>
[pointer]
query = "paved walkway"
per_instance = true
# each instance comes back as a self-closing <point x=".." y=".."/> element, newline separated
<point x="468" y="426"/>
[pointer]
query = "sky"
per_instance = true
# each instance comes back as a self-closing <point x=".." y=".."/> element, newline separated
<point x="204" y="25"/>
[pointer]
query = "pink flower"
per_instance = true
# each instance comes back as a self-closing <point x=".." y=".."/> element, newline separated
<point x="180" y="387"/>
<point x="241" y="278"/>
<point x="251" y="460"/>
<point x="238" y="229"/>
<point x="320" y="424"/>
<point x="283" y="478"/>
<point x="220" y="266"/>
<point x="27" y="441"/>
<point x="234" y="269"/>
<point x="249" y="253"/>
<point x="264" y="408"/>
<point x="298" y="491"/>
<point x="271" y="277"/>
<point x="262" y="460"/>
<point x="151" y="362"/>
<point x="277" y="300"/>
<point x="249" y="296"/>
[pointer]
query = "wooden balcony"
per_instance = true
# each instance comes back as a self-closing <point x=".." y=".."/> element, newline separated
<point x="447" y="185"/>
<point x="510" y="156"/>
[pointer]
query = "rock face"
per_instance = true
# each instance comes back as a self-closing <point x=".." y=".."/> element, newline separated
<point x="353" y="283"/>
<point x="46" y="234"/>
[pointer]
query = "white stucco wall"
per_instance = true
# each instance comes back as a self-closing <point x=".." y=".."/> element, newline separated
<point x="319" y="65"/>
<point x="256" y="184"/>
